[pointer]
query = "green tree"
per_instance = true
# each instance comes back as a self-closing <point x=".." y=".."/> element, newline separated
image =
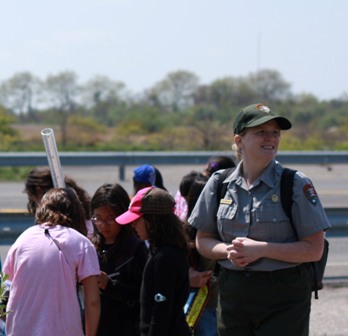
<point x="205" y="127"/>
<point x="227" y="95"/>
<point x="269" y="85"/>
<point x="61" y="96"/>
<point x="149" y="119"/>
<point x="101" y="95"/>
<point x="175" y="92"/>
<point x="8" y="135"/>
<point x="20" y="93"/>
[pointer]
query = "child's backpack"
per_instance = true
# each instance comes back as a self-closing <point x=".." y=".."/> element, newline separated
<point x="316" y="268"/>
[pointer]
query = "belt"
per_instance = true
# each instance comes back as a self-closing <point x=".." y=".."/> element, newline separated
<point x="280" y="272"/>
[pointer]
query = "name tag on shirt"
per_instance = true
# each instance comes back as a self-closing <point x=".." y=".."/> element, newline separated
<point x="226" y="201"/>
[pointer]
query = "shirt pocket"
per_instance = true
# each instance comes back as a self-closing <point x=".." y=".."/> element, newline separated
<point x="270" y="223"/>
<point x="225" y="221"/>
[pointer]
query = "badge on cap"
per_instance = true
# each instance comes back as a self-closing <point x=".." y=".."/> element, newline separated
<point x="310" y="193"/>
<point x="263" y="108"/>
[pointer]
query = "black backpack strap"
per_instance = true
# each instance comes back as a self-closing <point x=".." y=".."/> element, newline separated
<point x="316" y="269"/>
<point x="220" y="193"/>
<point x="286" y="191"/>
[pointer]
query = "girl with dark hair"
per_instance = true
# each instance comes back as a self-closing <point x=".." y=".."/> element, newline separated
<point x="165" y="284"/>
<point x="122" y="257"/>
<point x="182" y="194"/>
<point x="216" y="163"/>
<point x="39" y="181"/>
<point x="202" y="269"/>
<point x="45" y="264"/>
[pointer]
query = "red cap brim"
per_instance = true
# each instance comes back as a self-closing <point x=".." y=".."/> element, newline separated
<point x="127" y="217"/>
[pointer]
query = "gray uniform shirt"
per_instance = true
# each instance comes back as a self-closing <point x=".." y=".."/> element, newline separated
<point x="257" y="212"/>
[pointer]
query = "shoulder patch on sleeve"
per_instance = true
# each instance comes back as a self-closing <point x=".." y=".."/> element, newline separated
<point x="310" y="193"/>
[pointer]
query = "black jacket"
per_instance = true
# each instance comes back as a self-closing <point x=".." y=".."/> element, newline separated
<point x="120" y="299"/>
<point x="164" y="292"/>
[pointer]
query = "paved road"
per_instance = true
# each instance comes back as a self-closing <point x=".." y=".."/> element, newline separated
<point x="329" y="315"/>
<point x="331" y="184"/>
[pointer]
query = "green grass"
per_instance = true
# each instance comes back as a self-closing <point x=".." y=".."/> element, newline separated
<point x="14" y="173"/>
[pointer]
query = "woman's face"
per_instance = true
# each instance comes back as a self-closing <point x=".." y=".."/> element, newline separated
<point x="139" y="227"/>
<point x="104" y="219"/>
<point x="260" y="142"/>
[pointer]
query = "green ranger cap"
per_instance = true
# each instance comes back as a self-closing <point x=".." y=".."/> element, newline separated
<point x="255" y="115"/>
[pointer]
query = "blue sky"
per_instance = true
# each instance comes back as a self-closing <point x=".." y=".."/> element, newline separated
<point x="140" y="41"/>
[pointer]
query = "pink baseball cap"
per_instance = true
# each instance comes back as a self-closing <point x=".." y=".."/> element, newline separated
<point x="148" y="200"/>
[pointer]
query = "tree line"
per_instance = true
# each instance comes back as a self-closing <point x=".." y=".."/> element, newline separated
<point x="177" y="113"/>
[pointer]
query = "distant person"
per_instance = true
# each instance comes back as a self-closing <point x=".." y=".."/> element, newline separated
<point x="45" y="264"/>
<point x="122" y="257"/>
<point x="159" y="180"/>
<point x="264" y="285"/>
<point x="181" y="208"/>
<point x="143" y="176"/>
<point x="39" y="181"/>
<point x="165" y="284"/>
<point x="202" y="269"/>
<point x="214" y="164"/>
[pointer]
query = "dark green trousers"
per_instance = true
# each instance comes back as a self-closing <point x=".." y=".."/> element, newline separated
<point x="264" y="303"/>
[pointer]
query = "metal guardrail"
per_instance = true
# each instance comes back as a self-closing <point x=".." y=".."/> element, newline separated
<point x="132" y="158"/>
<point x="122" y="159"/>
<point x="12" y="224"/>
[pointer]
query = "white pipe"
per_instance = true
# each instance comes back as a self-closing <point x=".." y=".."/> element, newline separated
<point x="53" y="157"/>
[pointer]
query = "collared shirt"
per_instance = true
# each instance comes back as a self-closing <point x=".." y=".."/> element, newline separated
<point x="256" y="212"/>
